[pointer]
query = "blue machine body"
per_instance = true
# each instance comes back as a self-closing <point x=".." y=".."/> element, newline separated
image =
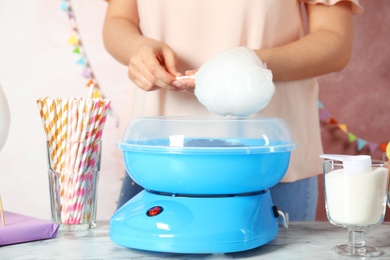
<point x="196" y="225"/>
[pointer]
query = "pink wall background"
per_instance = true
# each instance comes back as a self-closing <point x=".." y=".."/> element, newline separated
<point x="358" y="96"/>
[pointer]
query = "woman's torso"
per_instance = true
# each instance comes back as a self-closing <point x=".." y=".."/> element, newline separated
<point x="199" y="29"/>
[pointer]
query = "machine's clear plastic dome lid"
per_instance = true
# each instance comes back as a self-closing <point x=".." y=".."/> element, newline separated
<point x="207" y="134"/>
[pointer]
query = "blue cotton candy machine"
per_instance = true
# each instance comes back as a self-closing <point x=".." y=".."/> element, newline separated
<point x="206" y="183"/>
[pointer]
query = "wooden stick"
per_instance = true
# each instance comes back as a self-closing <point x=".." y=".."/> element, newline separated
<point x="2" y="213"/>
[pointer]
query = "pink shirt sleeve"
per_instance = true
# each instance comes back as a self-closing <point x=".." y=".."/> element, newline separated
<point x="356" y="7"/>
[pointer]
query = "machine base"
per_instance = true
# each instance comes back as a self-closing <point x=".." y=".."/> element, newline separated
<point x="194" y="225"/>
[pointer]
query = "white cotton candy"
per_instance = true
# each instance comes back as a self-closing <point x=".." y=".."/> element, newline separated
<point x="235" y="82"/>
<point x="4" y="118"/>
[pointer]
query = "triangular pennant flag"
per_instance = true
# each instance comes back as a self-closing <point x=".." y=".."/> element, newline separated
<point x="324" y="114"/>
<point x="77" y="50"/>
<point x="81" y="61"/>
<point x="97" y="93"/>
<point x="333" y="121"/>
<point x="320" y="105"/>
<point x="86" y="73"/>
<point x="73" y="40"/>
<point x="383" y="147"/>
<point x="90" y="81"/>
<point x="388" y="151"/>
<point x="351" y="137"/>
<point x="64" y="6"/>
<point x="343" y="128"/>
<point x="360" y="144"/>
<point x="372" y="147"/>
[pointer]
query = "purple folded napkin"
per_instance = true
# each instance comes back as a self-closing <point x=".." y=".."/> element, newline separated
<point x="20" y="229"/>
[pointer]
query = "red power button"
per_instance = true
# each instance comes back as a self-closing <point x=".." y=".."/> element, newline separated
<point x="154" y="211"/>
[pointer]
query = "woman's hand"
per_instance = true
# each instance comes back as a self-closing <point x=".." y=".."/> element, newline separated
<point x="153" y="66"/>
<point x="187" y="82"/>
<point x="151" y="63"/>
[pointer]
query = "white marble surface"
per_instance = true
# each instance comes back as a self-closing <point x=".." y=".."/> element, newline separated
<point x="302" y="240"/>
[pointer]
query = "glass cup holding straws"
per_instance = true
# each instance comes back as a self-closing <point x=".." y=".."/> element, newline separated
<point x="73" y="128"/>
<point x="73" y="185"/>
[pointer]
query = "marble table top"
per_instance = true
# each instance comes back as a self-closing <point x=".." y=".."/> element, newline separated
<point x="301" y="240"/>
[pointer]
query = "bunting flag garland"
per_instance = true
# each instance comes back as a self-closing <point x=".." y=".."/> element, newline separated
<point x="82" y="59"/>
<point x="87" y="73"/>
<point x="325" y="116"/>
